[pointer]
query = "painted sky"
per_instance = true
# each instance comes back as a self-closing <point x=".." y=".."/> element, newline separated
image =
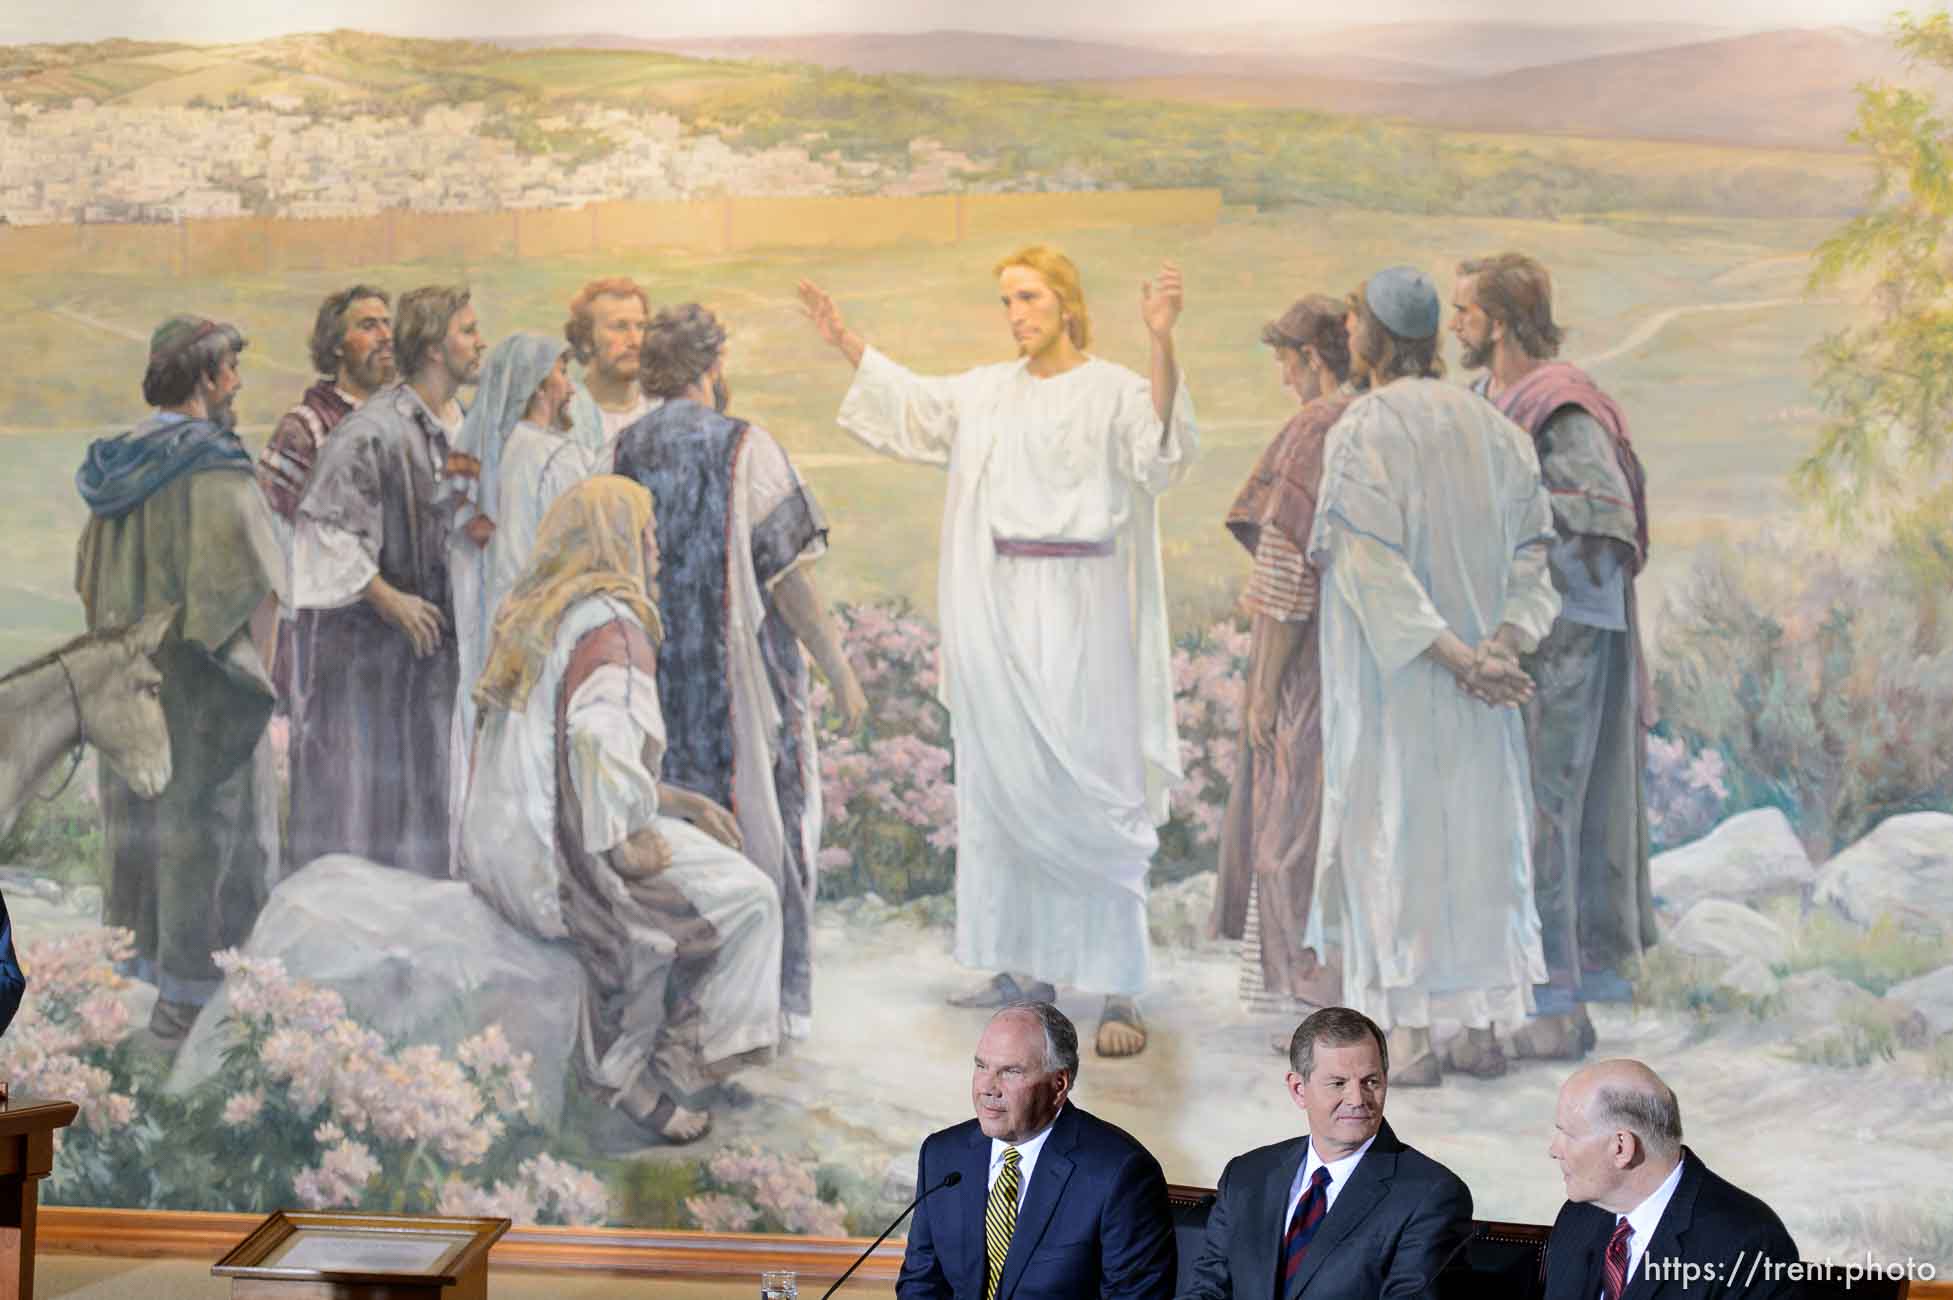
<point x="231" y="20"/>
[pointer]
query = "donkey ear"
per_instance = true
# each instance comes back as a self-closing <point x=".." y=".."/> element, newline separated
<point x="146" y="637"/>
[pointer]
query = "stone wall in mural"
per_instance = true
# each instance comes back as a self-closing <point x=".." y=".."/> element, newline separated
<point x="607" y="787"/>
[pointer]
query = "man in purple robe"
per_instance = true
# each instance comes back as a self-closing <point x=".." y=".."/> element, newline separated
<point x="376" y="661"/>
<point x="1586" y="723"/>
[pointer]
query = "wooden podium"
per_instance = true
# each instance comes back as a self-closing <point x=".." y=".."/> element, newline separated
<point x="26" y="1156"/>
<point x="301" y="1255"/>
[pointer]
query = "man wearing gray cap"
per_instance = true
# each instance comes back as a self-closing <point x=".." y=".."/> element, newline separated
<point x="1431" y="535"/>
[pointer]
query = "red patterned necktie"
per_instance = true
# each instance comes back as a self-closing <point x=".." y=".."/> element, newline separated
<point x="1613" y="1270"/>
<point x="1302" y="1226"/>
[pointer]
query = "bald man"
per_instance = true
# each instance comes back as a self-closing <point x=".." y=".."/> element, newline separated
<point x="1641" y="1209"/>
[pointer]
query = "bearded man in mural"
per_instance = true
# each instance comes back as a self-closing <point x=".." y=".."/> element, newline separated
<point x="515" y="432"/>
<point x="1057" y="665"/>
<point x="742" y="533"/>
<point x="352" y="353"/>
<point x="176" y="518"/>
<point x="1587" y="724"/>
<point x="376" y="663"/>
<point x="570" y="833"/>
<point x="1274" y="808"/>
<point x="1431" y="534"/>
<point x="605" y="330"/>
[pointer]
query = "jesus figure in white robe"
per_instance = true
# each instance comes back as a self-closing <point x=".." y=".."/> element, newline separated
<point x="1056" y="659"/>
<point x="1431" y="532"/>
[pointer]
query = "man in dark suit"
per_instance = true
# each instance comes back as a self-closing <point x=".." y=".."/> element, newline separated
<point x="1345" y="1211"/>
<point x="1644" y="1217"/>
<point x="1053" y="1203"/>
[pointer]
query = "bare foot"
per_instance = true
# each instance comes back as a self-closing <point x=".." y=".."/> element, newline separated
<point x="685" y="1126"/>
<point x="1122" y="1032"/>
<point x="670" y="1122"/>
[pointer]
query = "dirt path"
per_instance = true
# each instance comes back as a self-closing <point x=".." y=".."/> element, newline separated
<point x="1661" y="320"/>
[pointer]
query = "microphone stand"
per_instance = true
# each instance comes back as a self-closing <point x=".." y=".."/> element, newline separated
<point x="950" y="1179"/>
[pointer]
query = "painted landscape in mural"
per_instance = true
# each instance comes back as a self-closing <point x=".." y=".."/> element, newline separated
<point x="270" y="995"/>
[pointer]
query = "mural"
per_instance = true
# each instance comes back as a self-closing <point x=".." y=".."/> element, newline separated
<point x="413" y="924"/>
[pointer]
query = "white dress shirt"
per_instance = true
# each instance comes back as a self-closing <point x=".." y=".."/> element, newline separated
<point x="1339" y="1172"/>
<point x="1644" y="1218"/>
<point x="1027" y="1158"/>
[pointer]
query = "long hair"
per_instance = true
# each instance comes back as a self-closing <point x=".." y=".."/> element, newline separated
<point x="1061" y="274"/>
<point x="1517" y="291"/>
<point x="1391" y="356"/>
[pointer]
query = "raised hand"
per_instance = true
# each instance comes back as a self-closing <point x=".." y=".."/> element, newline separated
<point x="1160" y="301"/>
<point x="820" y="309"/>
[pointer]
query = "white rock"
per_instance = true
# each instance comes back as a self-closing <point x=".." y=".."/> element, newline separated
<point x="418" y="960"/>
<point x="1818" y="1003"/>
<point x="1931" y="996"/>
<point x="1715" y="928"/>
<point x="1903" y="868"/>
<point x="1750" y="977"/>
<point x="1176" y="914"/>
<point x="1753" y="855"/>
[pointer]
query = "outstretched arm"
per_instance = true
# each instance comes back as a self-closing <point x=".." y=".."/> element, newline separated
<point x="820" y="309"/>
<point x="1159" y="306"/>
<point x="799" y="603"/>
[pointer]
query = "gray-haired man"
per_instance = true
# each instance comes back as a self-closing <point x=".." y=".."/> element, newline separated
<point x="1050" y="1201"/>
<point x="1640" y="1201"/>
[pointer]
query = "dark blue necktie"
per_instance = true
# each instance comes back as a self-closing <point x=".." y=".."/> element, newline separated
<point x="1302" y="1227"/>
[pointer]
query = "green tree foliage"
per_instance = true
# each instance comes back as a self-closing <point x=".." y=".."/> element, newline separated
<point x="1886" y="384"/>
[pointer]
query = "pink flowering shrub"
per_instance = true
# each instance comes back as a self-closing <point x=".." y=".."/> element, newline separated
<point x="749" y="1190"/>
<point x="348" y="1121"/>
<point x="69" y="1021"/>
<point x="1210" y="674"/>
<point x="1685" y="791"/>
<point x="888" y="791"/>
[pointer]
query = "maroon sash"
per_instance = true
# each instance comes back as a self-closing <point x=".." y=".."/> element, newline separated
<point x="1534" y="400"/>
<point x="1281" y="490"/>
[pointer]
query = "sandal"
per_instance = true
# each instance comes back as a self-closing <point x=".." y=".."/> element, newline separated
<point x="661" y="1119"/>
<point x="1003" y="990"/>
<point x="1120" y="1011"/>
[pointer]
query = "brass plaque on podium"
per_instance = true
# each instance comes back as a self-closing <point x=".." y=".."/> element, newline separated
<point x="299" y="1255"/>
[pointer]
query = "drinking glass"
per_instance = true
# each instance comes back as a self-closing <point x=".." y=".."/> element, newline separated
<point x="781" y="1284"/>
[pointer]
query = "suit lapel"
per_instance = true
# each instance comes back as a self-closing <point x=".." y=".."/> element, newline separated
<point x="1353" y="1204"/>
<point x="1048" y="1181"/>
<point x="972" y="1196"/>
<point x="1270" y="1224"/>
<point x="1593" y="1257"/>
<point x="1670" y="1233"/>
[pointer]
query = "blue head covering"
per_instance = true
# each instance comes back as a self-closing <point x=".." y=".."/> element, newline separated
<point x="514" y="370"/>
<point x="1405" y="300"/>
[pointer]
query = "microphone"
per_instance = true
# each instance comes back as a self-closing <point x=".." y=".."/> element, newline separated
<point x="950" y="1179"/>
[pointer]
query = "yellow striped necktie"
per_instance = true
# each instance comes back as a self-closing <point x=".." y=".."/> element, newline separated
<point x="999" y="1221"/>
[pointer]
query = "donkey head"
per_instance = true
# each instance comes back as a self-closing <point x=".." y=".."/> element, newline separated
<point x="121" y="693"/>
